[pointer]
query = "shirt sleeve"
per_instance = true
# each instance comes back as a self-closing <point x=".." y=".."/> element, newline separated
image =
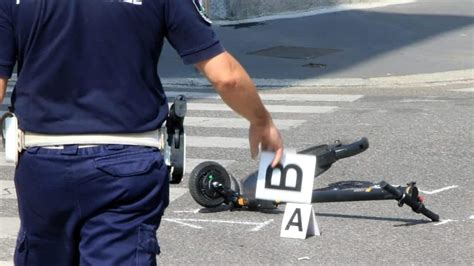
<point x="7" y="42"/>
<point x="190" y="34"/>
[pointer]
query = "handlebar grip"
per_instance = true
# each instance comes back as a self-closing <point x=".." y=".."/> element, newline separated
<point x="354" y="148"/>
<point x="433" y="216"/>
<point x="404" y="198"/>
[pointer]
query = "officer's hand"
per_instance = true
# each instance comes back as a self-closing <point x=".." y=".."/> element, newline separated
<point x="267" y="135"/>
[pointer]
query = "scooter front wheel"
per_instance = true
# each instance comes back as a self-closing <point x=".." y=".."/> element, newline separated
<point x="200" y="183"/>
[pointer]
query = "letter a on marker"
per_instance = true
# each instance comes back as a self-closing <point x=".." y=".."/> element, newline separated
<point x="296" y="214"/>
<point x="299" y="221"/>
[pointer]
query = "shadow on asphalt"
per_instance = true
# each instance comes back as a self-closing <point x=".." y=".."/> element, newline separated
<point x="407" y="222"/>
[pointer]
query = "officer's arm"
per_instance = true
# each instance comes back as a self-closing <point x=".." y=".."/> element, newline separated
<point x="3" y="88"/>
<point x="237" y="90"/>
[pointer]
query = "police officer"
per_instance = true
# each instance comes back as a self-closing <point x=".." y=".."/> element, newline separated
<point x="91" y="183"/>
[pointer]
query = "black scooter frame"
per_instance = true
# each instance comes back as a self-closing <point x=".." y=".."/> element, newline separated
<point x="211" y="185"/>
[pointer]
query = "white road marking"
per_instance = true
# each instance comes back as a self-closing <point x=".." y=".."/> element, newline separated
<point x="258" y="225"/>
<point x="9" y="227"/>
<point x="471" y="217"/>
<point x="302" y="109"/>
<point x="182" y="223"/>
<point x="422" y="101"/>
<point x="217" y="142"/>
<point x="2" y="160"/>
<point x="217" y="122"/>
<point x="275" y="97"/>
<point x="189" y="211"/>
<point x="464" y="90"/>
<point x="6" y="100"/>
<point x="192" y="163"/>
<point x="262" y="225"/>
<point x="6" y="263"/>
<point x="7" y="189"/>
<point x="445" y="222"/>
<point x="438" y="190"/>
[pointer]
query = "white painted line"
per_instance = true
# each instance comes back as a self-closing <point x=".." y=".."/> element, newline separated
<point x="302" y="109"/>
<point x="182" y="223"/>
<point x="217" y="122"/>
<point x="445" y="222"/>
<point x="262" y="225"/>
<point x="6" y="263"/>
<point x="192" y="163"/>
<point x="217" y="221"/>
<point x="438" y="190"/>
<point x="2" y="160"/>
<point x="471" y="217"/>
<point x="190" y="211"/>
<point x="6" y="101"/>
<point x="9" y="227"/>
<point x="275" y="97"/>
<point x="217" y="142"/>
<point x="464" y="90"/>
<point x="422" y="101"/>
<point x="258" y="225"/>
<point x="7" y="189"/>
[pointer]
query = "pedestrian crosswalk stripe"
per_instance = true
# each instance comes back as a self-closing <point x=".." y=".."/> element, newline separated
<point x="2" y="160"/>
<point x="217" y="122"/>
<point x="304" y="109"/>
<point x="6" y="100"/>
<point x="192" y="163"/>
<point x="275" y="97"/>
<point x="464" y="90"/>
<point x="9" y="227"/>
<point x="7" y="189"/>
<point x="217" y="142"/>
<point x="6" y="263"/>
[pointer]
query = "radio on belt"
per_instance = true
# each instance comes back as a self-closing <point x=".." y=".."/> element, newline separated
<point x="11" y="137"/>
<point x="175" y="140"/>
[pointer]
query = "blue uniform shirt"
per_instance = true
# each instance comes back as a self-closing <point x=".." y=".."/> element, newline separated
<point x="90" y="66"/>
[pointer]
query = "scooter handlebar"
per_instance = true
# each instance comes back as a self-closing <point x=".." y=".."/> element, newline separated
<point x="411" y="200"/>
<point x="354" y="148"/>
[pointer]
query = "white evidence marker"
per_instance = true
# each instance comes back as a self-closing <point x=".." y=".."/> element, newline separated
<point x="299" y="221"/>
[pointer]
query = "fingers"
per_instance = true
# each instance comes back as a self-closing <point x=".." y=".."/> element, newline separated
<point x="277" y="158"/>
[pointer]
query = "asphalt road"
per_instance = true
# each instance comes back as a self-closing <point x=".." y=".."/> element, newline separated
<point x="416" y="134"/>
<point x="422" y="135"/>
<point x="419" y="130"/>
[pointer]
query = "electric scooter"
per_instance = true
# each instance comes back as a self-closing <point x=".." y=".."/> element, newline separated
<point x="211" y="185"/>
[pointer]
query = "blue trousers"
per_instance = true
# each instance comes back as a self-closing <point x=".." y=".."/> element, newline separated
<point x="90" y="206"/>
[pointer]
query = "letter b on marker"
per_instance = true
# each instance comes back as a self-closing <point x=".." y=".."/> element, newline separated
<point x="284" y="171"/>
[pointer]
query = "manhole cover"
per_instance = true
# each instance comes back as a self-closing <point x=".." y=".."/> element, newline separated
<point x="294" y="52"/>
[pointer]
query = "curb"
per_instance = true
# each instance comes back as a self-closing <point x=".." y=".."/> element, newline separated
<point x="319" y="11"/>
<point x="416" y="80"/>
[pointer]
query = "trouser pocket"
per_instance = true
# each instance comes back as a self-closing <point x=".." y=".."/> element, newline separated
<point x="148" y="246"/>
<point x="129" y="163"/>
<point x="21" y="249"/>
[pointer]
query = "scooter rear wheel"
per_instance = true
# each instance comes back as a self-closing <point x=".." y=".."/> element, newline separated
<point x="200" y="183"/>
